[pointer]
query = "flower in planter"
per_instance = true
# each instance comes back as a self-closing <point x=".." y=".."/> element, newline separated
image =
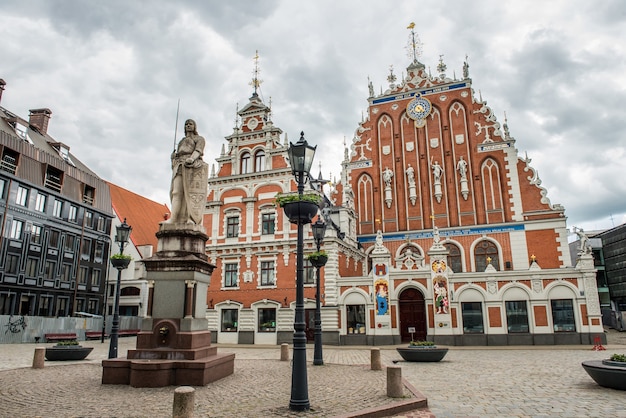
<point x="421" y="344"/>
<point x="620" y="358"/>
<point x="68" y="343"/>
<point x="317" y="254"/>
<point x="283" y="199"/>
<point x="121" y="257"/>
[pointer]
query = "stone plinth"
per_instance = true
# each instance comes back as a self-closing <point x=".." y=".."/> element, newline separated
<point x="174" y="344"/>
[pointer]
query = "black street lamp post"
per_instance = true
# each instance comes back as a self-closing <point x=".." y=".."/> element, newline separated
<point x="301" y="158"/>
<point x="120" y="263"/>
<point x="318" y="228"/>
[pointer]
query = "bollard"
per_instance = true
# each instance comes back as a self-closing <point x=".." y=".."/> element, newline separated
<point x="39" y="358"/>
<point x="284" y="352"/>
<point x="183" y="402"/>
<point x="394" y="382"/>
<point x="375" y="362"/>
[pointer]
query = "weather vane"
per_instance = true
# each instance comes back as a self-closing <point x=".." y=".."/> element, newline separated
<point x="256" y="83"/>
<point x="414" y="45"/>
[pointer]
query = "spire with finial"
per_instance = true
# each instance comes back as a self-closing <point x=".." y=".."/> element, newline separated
<point x="256" y="82"/>
<point x="414" y="46"/>
<point x="237" y="117"/>
<point x="391" y="78"/>
<point x="441" y="67"/>
<point x="507" y="134"/>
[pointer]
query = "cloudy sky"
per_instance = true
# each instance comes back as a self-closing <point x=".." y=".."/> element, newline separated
<point x="113" y="71"/>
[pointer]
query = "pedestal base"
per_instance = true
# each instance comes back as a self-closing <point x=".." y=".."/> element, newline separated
<point x="165" y="356"/>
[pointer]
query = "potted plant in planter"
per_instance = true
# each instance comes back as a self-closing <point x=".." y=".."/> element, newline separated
<point x="609" y="373"/>
<point x="299" y="208"/>
<point x="318" y="258"/>
<point x="67" y="350"/>
<point x="423" y="351"/>
<point x="120" y="261"/>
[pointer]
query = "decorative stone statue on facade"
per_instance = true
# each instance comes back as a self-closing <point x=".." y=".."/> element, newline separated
<point x="584" y="247"/>
<point x="387" y="176"/>
<point x="189" y="178"/>
<point x="461" y="167"/>
<point x="437" y="173"/>
<point x="410" y="177"/>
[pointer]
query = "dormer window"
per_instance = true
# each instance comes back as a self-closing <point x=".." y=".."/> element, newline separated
<point x="9" y="161"/>
<point x="64" y="152"/>
<point x="88" y="195"/>
<point x="54" y="179"/>
<point x="22" y="132"/>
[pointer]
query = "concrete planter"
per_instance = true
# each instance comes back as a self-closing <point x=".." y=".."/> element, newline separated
<point x="607" y="373"/>
<point x="67" y="352"/>
<point x="422" y="354"/>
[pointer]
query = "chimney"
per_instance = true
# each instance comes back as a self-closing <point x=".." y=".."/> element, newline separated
<point x="39" y="118"/>
<point x="2" y="84"/>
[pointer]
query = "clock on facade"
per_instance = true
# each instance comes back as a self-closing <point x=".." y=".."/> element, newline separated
<point x="252" y="124"/>
<point x="418" y="109"/>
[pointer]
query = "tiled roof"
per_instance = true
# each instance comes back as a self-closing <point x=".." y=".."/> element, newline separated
<point x="142" y="214"/>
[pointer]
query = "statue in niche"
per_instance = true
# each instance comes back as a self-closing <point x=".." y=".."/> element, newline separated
<point x="410" y="175"/>
<point x="461" y="167"/>
<point x="188" y="190"/>
<point x="387" y="175"/>
<point x="437" y="171"/>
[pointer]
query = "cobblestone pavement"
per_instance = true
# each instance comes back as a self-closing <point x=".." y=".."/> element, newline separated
<point x="546" y="381"/>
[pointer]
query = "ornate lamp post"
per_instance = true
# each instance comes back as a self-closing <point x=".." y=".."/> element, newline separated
<point x="319" y="229"/>
<point x="301" y="158"/>
<point x="120" y="263"/>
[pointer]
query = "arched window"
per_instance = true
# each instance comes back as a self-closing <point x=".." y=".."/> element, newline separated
<point x="259" y="161"/>
<point x="486" y="253"/>
<point x="365" y="204"/>
<point x="454" y="258"/>
<point x="245" y="163"/>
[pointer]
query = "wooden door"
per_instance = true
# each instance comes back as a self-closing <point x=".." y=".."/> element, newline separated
<point x="412" y="315"/>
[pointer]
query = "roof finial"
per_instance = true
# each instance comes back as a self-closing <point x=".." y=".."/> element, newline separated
<point x="256" y="83"/>
<point x="441" y="67"/>
<point x="414" y="46"/>
<point x="237" y="116"/>
<point x="507" y="134"/>
<point x="465" y="69"/>
<point x="391" y="78"/>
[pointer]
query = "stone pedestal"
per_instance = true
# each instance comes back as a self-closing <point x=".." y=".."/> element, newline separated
<point x="174" y="345"/>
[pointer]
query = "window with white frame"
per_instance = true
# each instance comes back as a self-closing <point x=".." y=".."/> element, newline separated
<point x="245" y="163"/>
<point x="268" y="222"/>
<point x="259" y="161"/>
<point x="101" y="223"/>
<point x="232" y="226"/>
<point x="563" y="315"/>
<point x="355" y="319"/>
<point x="230" y="320"/>
<point x="472" y="314"/>
<point x="99" y="253"/>
<point x="2" y="187"/>
<point x="17" y="227"/>
<point x="89" y="219"/>
<point x="267" y="320"/>
<point x="230" y="274"/>
<point x="66" y="274"/>
<point x="40" y="202"/>
<point x="267" y="273"/>
<point x="22" y="196"/>
<point x="516" y="316"/>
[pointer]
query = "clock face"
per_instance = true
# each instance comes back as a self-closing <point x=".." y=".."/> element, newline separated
<point x="418" y="108"/>
<point x="252" y="124"/>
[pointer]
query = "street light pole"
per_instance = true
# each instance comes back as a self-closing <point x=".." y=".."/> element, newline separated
<point x="120" y="263"/>
<point x="300" y="157"/>
<point x="318" y="228"/>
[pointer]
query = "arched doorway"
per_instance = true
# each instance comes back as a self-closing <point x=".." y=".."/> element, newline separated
<point x="412" y="315"/>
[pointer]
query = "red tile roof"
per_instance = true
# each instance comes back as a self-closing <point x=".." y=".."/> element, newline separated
<point x="142" y="214"/>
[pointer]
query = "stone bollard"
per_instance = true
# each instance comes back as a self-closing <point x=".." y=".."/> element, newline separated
<point x="394" y="382"/>
<point x="39" y="358"/>
<point x="375" y="362"/>
<point x="284" y="352"/>
<point x="183" y="402"/>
